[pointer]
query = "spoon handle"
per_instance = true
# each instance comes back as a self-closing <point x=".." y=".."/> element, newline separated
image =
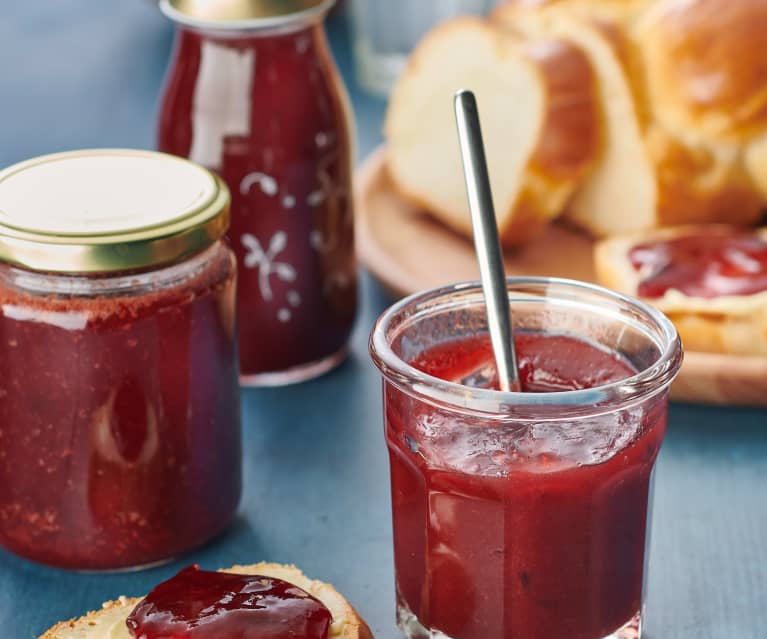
<point x="486" y="240"/>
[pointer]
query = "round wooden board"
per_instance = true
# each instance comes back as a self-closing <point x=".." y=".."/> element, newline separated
<point x="408" y="251"/>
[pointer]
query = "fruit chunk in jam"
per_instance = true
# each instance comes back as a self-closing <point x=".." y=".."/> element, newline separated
<point x="703" y="264"/>
<point x="199" y="604"/>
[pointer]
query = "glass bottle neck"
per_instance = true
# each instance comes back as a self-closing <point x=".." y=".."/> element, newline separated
<point x="307" y="39"/>
<point x="291" y="29"/>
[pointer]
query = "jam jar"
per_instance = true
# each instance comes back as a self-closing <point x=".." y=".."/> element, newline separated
<point x="119" y="399"/>
<point x="253" y="94"/>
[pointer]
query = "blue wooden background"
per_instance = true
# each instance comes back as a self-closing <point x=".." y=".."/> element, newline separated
<point x="80" y="73"/>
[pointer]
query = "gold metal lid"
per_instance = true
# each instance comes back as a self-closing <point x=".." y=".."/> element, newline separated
<point x="243" y="14"/>
<point x="107" y="210"/>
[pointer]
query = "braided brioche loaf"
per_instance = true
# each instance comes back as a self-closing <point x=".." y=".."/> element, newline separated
<point x="624" y="115"/>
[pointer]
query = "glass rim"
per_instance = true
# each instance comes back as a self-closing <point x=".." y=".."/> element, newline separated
<point x="642" y="385"/>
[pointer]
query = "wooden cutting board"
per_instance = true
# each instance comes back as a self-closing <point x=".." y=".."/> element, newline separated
<point x="408" y="251"/>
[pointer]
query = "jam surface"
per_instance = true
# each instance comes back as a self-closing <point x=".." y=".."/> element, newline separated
<point x="198" y="604"/>
<point x="521" y="531"/>
<point x="266" y="112"/>
<point x="702" y="265"/>
<point x="119" y="418"/>
<point x="556" y="363"/>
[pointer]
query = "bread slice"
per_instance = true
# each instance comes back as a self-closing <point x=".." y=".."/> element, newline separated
<point x="620" y="193"/>
<point x="733" y="324"/>
<point x="706" y="67"/>
<point x="109" y="622"/>
<point x="646" y="177"/>
<point x="538" y="107"/>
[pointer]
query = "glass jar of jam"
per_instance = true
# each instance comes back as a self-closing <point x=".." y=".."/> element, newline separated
<point x="253" y="93"/>
<point x="523" y="514"/>
<point x="119" y="399"/>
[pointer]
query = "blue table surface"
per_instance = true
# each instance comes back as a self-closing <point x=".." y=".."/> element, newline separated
<point x="87" y="73"/>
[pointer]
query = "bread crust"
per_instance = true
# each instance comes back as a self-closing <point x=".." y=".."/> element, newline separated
<point x="706" y="66"/>
<point x="570" y="142"/>
<point x="700" y="184"/>
<point x="571" y="133"/>
<point x="623" y="154"/>
<point x="735" y="325"/>
<point x="347" y="623"/>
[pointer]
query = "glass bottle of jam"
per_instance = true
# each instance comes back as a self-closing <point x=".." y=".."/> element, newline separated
<point x="119" y="407"/>
<point x="253" y="93"/>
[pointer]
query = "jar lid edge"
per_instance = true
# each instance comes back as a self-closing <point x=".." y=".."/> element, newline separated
<point x="236" y="15"/>
<point x="108" y="210"/>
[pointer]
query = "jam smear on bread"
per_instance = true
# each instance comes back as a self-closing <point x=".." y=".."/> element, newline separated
<point x="199" y="604"/>
<point x="705" y="265"/>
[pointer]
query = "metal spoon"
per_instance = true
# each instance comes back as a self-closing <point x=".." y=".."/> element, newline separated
<point x="486" y="241"/>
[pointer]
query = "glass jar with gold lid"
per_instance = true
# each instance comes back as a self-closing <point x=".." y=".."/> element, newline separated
<point x="119" y="406"/>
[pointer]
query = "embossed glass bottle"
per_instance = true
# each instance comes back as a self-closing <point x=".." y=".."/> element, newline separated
<point x="253" y="93"/>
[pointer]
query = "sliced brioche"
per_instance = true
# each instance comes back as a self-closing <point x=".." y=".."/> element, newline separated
<point x="539" y="112"/>
<point x="646" y="177"/>
<point x="734" y="324"/>
<point x="620" y="193"/>
<point x="706" y="67"/>
<point x="109" y="622"/>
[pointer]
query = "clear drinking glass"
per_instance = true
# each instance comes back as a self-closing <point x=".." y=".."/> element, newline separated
<point x="524" y="515"/>
<point x="386" y="31"/>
